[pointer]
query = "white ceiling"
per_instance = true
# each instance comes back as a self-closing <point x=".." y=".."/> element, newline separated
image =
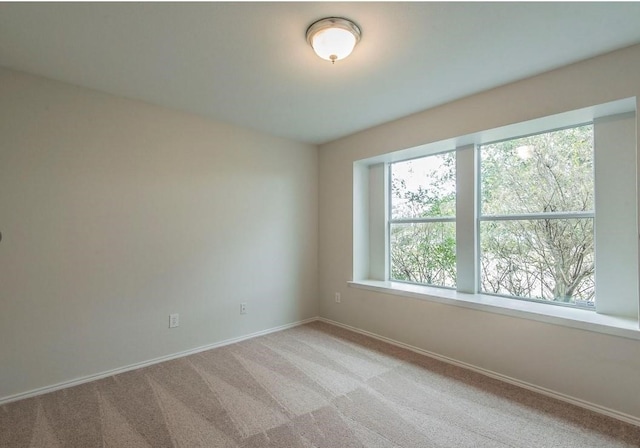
<point x="249" y="63"/>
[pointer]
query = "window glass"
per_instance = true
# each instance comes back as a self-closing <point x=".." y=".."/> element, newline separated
<point x="543" y="259"/>
<point x="549" y="256"/>
<point x="424" y="187"/>
<point x="422" y="230"/>
<point x="550" y="172"/>
<point x="424" y="252"/>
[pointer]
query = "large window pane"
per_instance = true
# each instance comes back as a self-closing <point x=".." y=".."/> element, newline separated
<point x="543" y="259"/>
<point x="551" y="172"/>
<point x="424" y="188"/>
<point x="549" y="259"/>
<point x="424" y="253"/>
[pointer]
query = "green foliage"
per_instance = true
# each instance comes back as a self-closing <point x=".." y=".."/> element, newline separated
<point x="551" y="172"/>
<point x="424" y="253"/>
<point x="424" y="188"/>
<point x="545" y="259"/>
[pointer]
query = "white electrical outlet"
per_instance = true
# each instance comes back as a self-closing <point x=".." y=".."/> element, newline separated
<point x="338" y="298"/>
<point x="243" y="308"/>
<point x="174" y="320"/>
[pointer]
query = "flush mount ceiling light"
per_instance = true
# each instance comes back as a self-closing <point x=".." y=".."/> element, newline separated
<point x="333" y="38"/>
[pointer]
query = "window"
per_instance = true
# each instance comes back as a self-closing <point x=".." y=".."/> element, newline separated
<point x="537" y="217"/>
<point x="535" y="227"/>
<point x="544" y="211"/>
<point x="422" y="232"/>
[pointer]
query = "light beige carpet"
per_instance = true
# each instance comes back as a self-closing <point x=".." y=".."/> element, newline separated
<point x="310" y="386"/>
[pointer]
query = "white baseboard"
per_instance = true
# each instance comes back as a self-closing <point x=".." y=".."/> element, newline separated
<point x="532" y="387"/>
<point x="139" y="365"/>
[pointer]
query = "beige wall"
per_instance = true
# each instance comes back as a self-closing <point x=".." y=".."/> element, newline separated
<point x="600" y="369"/>
<point x="115" y="213"/>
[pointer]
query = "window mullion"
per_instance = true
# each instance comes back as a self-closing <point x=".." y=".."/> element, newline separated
<point x="466" y="257"/>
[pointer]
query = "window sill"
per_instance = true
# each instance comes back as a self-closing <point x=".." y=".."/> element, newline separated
<point x="625" y="327"/>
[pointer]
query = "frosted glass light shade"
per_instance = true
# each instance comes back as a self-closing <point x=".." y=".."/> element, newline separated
<point x="333" y="43"/>
<point x="333" y="38"/>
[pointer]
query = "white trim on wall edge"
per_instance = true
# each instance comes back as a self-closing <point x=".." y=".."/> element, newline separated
<point x="139" y="365"/>
<point x="507" y="379"/>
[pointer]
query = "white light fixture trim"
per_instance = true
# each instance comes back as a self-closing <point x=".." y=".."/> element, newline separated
<point x="333" y="38"/>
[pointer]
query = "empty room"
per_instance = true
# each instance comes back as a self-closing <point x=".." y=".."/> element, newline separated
<point x="319" y="224"/>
